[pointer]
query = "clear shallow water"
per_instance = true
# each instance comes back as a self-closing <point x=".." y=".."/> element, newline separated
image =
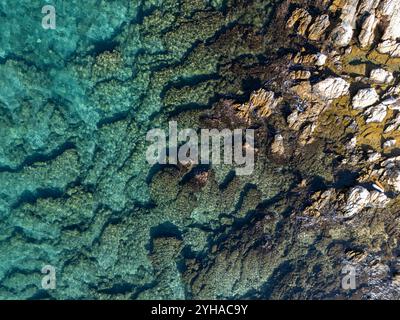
<point x="75" y="105"/>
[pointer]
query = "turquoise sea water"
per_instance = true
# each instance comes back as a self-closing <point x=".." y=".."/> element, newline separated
<point x="75" y="105"/>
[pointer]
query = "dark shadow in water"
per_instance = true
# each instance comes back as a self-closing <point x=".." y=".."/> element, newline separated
<point x="164" y="230"/>
<point x="103" y="46"/>
<point x="227" y="180"/>
<point x="345" y="179"/>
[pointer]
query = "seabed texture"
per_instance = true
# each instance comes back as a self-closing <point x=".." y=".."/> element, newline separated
<point x="77" y="193"/>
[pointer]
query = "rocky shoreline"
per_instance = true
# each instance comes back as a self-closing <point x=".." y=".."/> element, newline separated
<point x="341" y="85"/>
<point x="318" y="81"/>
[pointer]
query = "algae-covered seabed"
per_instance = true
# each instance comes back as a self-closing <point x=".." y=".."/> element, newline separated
<point x="76" y="190"/>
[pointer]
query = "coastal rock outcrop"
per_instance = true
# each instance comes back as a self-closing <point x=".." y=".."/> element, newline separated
<point x="365" y="98"/>
<point x="331" y="88"/>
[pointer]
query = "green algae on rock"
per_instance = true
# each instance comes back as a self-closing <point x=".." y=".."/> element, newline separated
<point x="76" y="103"/>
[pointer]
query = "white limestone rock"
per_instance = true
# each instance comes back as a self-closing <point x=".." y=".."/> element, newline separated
<point x="349" y="12"/>
<point x="389" y="144"/>
<point x="376" y="114"/>
<point x="331" y="88"/>
<point x="365" y="98"/>
<point x="321" y="59"/>
<point x="389" y="13"/>
<point x="351" y="145"/>
<point x="387" y="7"/>
<point x="392" y="103"/>
<point x="358" y="199"/>
<point x="391" y="9"/>
<point x="367" y="33"/>
<point x="341" y="36"/>
<point x="367" y="6"/>
<point x="378" y="199"/>
<point x="374" y="157"/>
<point x="381" y="76"/>
<point x="392" y="94"/>
<point x="390" y="47"/>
